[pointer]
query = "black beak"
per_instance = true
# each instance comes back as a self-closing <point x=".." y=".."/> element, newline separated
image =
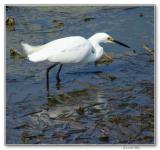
<point x="120" y="43"/>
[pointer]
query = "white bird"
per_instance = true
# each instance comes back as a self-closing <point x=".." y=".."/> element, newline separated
<point x="73" y="49"/>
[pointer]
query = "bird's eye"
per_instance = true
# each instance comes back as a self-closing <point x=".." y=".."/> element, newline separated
<point x="109" y="38"/>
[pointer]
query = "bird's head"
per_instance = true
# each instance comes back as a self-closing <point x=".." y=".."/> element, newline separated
<point x="105" y="38"/>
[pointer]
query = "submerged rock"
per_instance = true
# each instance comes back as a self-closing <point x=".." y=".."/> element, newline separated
<point x="87" y="19"/>
<point x="148" y="49"/>
<point x="107" y="76"/>
<point x="58" y="24"/>
<point x="10" y="23"/>
<point x="15" y="54"/>
<point x="80" y="111"/>
<point x="104" y="138"/>
<point x="141" y="14"/>
<point x="105" y="59"/>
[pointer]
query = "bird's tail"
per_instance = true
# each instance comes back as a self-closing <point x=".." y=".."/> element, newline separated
<point x="34" y="53"/>
<point x="28" y="49"/>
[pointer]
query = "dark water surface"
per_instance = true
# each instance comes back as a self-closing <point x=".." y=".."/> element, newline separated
<point x="105" y="104"/>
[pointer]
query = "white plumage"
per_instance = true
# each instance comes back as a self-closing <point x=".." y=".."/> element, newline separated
<point x="74" y="49"/>
<point x="65" y="50"/>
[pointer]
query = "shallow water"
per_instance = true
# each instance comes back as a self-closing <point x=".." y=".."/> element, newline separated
<point x="104" y="104"/>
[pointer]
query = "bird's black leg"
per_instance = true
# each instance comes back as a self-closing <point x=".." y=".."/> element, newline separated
<point x="57" y="75"/>
<point x="47" y="73"/>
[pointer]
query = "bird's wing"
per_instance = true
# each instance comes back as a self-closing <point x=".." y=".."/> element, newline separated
<point x="65" y="50"/>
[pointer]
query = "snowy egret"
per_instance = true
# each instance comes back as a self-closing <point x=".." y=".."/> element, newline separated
<point x="73" y="49"/>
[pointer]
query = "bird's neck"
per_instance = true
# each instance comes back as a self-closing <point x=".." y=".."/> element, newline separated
<point x="96" y="45"/>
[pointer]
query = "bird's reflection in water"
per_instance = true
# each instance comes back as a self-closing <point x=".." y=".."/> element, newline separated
<point x="57" y="85"/>
<point x="65" y="103"/>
